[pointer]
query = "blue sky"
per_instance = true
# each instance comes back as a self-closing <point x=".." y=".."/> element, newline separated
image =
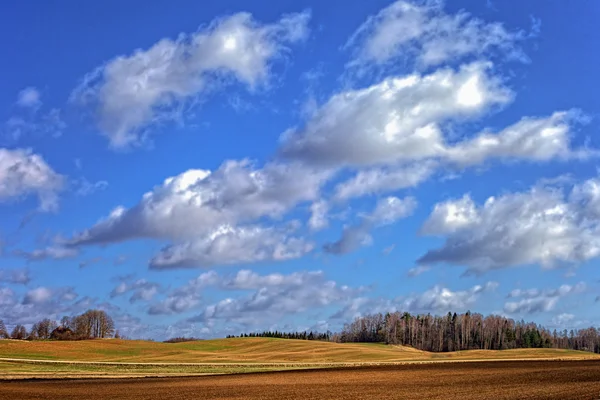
<point x="208" y="169"/>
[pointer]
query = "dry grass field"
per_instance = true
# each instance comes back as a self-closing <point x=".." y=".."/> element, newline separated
<point x="250" y="350"/>
<point x="547" y="380"/>
<point x="123" y="358"/>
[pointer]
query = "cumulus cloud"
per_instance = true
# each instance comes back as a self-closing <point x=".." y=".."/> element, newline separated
<point x="534" y="300"/>
<point x="390" y="209"/>
<point x="141" y="290"/>
<point x="232" y="245"/>
<point x="396" y="120"/>
<point x="535" y="139"/>
<point x="440" y="299"/>
<point x="189" y="296"/>
<point x="399" y="132"/>
<point x="44" y="302"/>
<point x="542" y="226"/>
<point x="206" y="214"/>
<point x="197" y="202"/>
<point x="276" y="296"/>
<point x="43" y="295"/>
<point x="423" y="32"/>
<point x="130" y="92"/>
<point x="387" y="211"/>
<point x="185" y="297"/>
<point x="18" y="276"/>
<point x="24" y="173"/>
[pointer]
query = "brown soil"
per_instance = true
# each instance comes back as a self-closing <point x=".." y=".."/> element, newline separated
<point x="482" y="380"/>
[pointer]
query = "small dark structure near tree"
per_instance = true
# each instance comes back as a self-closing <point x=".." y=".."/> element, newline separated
<point x="62" y="333"/>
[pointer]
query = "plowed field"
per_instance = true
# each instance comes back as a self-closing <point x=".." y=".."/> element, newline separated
<point x="472" y="380"/>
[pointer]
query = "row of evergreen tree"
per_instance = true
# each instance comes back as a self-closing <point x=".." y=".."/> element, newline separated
<point x="91" y="324"/>
<point x="306" y="335"/>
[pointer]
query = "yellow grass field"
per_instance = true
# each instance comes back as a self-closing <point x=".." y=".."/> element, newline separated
<point x="112" y="357"/>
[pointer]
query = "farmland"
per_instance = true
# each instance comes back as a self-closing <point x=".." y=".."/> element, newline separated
<point x="467" y="380"/>
<point x="129" y="358"/>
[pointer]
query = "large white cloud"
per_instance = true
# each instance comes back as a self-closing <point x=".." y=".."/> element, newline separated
<point x="423" y="32"/>
<point x="210" y="215"/>
<point x="24" y="173"/>
<point x="130" y="92"/>
<point x="396" y="120"/>
<point x="542" y="226"/>
<point x="197" y="202"/>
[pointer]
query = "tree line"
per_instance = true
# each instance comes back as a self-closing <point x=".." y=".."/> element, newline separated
<point x="466" y="331"/>
<point x="452" y="332"/>
<point x="306" y="335"/>
<point x="92" y="324"/>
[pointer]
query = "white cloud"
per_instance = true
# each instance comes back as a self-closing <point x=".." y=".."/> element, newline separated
<point x="395" y="121"/>
<point x="541" y="226"/>
<point x="390" y="209"/>
<point x="533" y="300"/>
<point x="535" y="139"/>
<point x="185" y="297"/>
<point x="44" y="302"/>
<point x="29" y="98"/>
<point x="275" y="296"/>
<point x="440" y="299"/>
<point x="142" y="290"/>
<point x="208" y="215"/>
<point x="422" y="31"/>
<point x="23" y="173"/>
<point x="38" y="295"/>
<point x="189" y="296"/>
<point x="232" y="245"/>
<point x="44" y="295"/>
<point x="451" y="216"/>
<point x="196" y="203"/>
<point x="131" y="92"/>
